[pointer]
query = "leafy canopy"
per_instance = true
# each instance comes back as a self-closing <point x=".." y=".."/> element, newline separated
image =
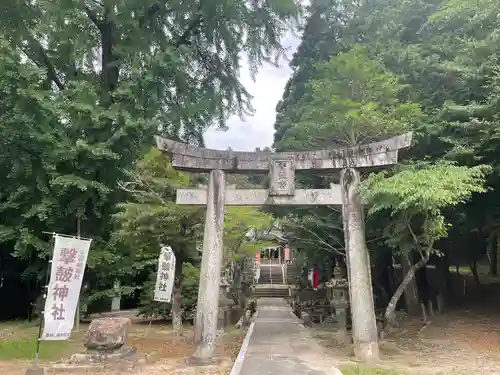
<point x="355" y="100"/>
<point x="416" y="196"/>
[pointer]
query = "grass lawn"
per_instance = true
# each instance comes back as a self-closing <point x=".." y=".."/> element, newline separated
<point x="18" y="341"/>
<point x="482" y="270"/>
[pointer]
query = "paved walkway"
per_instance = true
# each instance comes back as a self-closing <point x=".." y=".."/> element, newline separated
<point x="277" y="344"/>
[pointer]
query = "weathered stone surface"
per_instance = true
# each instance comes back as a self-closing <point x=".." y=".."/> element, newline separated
<point x="306" y="318"/>
<point x="35" y="371"/>
<point x="107" y="333"/>
<point x="116" y="300"/>
<point x="282" y="177"/>
<point x="277" y="344"/>
<point x="192" y="158"/>
<point x="259" y="197"/>
<point x="67" y="368"/>
<point x="124" y="359"/>
<point x="94" y="356"/>
<point x="211" y="264"/>
<point x="241" y="322"/>
<point x="364" y="328"/>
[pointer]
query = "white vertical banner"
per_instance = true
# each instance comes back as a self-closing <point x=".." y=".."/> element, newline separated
<point x="165" y="275"/>
<point x="63" y="292"/>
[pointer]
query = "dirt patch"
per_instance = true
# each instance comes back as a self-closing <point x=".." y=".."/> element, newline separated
<point x="460" y="342"/>
<point x="168" y="350"/>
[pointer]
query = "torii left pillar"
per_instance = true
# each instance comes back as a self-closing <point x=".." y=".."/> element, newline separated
<point x="205" y="333"/>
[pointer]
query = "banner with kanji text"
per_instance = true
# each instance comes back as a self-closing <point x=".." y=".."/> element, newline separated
<point x="63" y="292"/>
<point x="165" y="275"/>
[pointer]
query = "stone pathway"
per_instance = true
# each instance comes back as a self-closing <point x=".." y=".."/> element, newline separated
<point x="278" y="344"/>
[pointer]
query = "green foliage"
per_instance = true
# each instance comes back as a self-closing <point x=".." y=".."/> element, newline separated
<point x="415" y="197"/>
<point x="319" y="236"/>
<point x="85" y="85"/>
<point x="429" y="66"/>
<point x="149" y="219"/>
<point x="239" y="224"/>
<point x="321" y="36"/>
<point x="424" y="187"/>
<point x="354" y="100"/>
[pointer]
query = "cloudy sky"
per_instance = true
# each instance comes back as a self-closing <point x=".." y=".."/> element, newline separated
<point x="267" y="89"/>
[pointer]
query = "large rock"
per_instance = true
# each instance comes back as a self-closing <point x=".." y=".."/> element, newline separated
<point x="106" y="334"/>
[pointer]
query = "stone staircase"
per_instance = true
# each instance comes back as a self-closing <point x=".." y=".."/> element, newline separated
<point x="271" y="281"/>
<point x="267" y="290"/>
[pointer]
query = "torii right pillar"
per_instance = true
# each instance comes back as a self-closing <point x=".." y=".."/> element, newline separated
<point x="364" y="327"/>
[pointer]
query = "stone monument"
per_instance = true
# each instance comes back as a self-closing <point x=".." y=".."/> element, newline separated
<point x="340" y="299"/>
<point x="224" y="310"/>
<point x="105" y="345"/>
<point x="282" y="167"/>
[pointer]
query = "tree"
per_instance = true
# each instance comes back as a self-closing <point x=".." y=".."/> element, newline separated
<point x="104" y="76"/>
<point x="416" y="197"/>
<point x="29" y="148"/>
<point x="150" y="219"/>
<point x="316" y="237"/>
<point x="355" y="100"/>
<point x="172" y="66"/>
<point x="321" y="39"/>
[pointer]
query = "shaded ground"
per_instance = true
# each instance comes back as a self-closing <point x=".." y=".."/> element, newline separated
<point x="453" y="343"/>
<point x="17" y="348"/>
<point x="464" y="340"/>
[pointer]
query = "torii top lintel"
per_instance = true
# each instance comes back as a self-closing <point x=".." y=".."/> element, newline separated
<point x="197" y="159"/>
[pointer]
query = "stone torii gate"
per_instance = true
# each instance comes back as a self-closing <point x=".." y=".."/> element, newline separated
<point x="281" y="167"/>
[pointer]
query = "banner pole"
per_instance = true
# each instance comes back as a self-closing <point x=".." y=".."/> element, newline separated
<point x="68" y="236"/>
<point x="42" y="313"/>
<point x="77" y="315"/>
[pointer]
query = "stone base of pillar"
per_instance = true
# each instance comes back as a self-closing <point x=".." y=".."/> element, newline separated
<point x="368" y="352"/>
<point x="35" y="371"/>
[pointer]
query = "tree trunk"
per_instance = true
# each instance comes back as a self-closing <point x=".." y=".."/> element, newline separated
<point x="445" y="270"/>
<point x="110" y="62"/>
<point x="473" y="268"/>
<point x="364" y="327"/>
<point x="390" y="315"/>
<point x="412" y="301"/>
<point x="493" y="255"/>
<point x="177" y="301"/>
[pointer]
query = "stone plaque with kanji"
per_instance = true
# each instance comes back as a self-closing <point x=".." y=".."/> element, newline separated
<point x="282" y="177"/>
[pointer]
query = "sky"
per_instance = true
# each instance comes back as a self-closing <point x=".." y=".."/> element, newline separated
<point x="267" y="89"/>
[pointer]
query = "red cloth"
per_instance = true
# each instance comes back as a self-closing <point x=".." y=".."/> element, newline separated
<point x="315" y="279"/>
<point x="257" y="258"/>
